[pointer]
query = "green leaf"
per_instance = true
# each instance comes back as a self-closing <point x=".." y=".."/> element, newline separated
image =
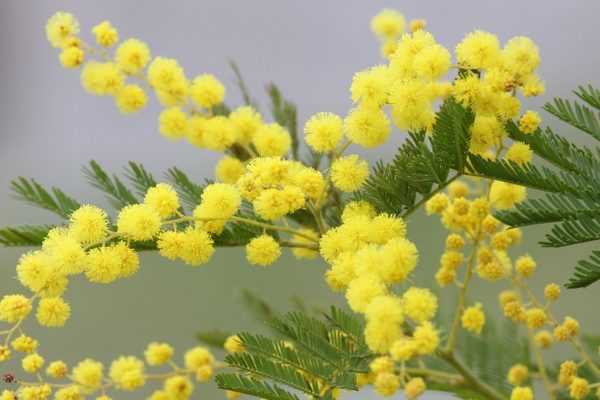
<point x="55" y="200"/>
<point x="567" y="233"/>
<point x="140" y="178"/>
<point x="242" y="85"/>
<point x="254" y="387"/>
<point x="213" y="338"/>
<point x="575" y="114"/>
<point x="26" y="235"/>
<point x="285" y="114"/>
<point x="590" y="95"/>
<point x="586" y="272"/>
<point x="118" y="194"/>
<point x="189" y="191"/>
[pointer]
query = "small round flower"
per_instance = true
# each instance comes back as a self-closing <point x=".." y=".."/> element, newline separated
<point x="197" y="247"/>
<point x="382" y="364"/>
<point x="426" y="338"/>
<point x="433" y="62"/>
<point x="233" y="344"/>
<point x="24" y="344"/>
<point x="178" y="387"/>
<point x="473" y="319"/>
<point x="414" y="388"/>
<point x="529" y="122"/>
<point x="521" y="393"/>
<point x="246" y="121"/>
<point x="349" y="173"/>
<point x="14" y="307"/>
<point x="106" y="34"/>
<point x="419" y="304"/>
<point x="519" y="153"/>
<point x="367" y="125"/>
<point x="101" y="79"/>
<point x="71" y="392"/>
<point x="385" y="309"/>
<point x="552" y="292"/>
<point x="358" y="209"/>
<point x="272" y="140"/>
<point x="362" y="290"/>
<point x="53" y="312"/>
<point x="32" y="363"/>
<point x="477" y="50"/>
<point x="388" y="24"/>
<point x="138" y="222"/>
<point x="163" y="199"/>
<point x="579" y="388"/>
<point x="57" y="369"/>
<point x="520" y="56"/>
<point x="132" y="56"/>
<point x="525" y="266"/>
<point x="543" y="339"/>
<point x="71" y="57"/>
<point x="204" y="373"/>
<point x="386" y="383"/>
<point x="198" y="357"/>
<point x="88" y="373"/>
<point x="536" y="317"/>
<point x="206" y="91"/>
<point x="4" y="353"/>
<point x="229" y="170"/>
<point x="128" y="373"/>
<point x="219" y="201"/>
<point x="454" y="241"/>
<point x="171" y="244"/>
<point x="371" y="86"/>
<point x="323" y="132"/>
<point x="436" y="204"/>
<point x="518" y="374"/>
<point x="505" y="195"/>
<point x="60" y="27"/>
<point x="263" y="250"/>
<point x="88" y="224"/>
<point x="173" y="123"/>
<point x="130" y="99"/>
<point x="403" y="349"/>
<point x="158" y="353"/>
<point x="218" y="134"/>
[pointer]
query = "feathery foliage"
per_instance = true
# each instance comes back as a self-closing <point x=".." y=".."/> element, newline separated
<point x="54" y="200"/>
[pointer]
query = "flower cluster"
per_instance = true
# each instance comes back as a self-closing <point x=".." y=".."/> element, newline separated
<point x="260" y="186"/>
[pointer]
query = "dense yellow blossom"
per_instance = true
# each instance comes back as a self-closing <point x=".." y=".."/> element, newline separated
<point x="158" y="353"/>
<point x="263" y="250"/>
<point x="132" y="56"/>
<point x="414" y="388"/>
<point x="53" y="312"/>
<point x="529" y="122"/>
<point x="229" y="170"/>
<point x="419" y="304"/>
<point x="32" y="363"/>
<point x="323" y="132"/>
<point x="57" y="369"/>
<point x="473" y="319"/>
<point x="130" y="99"/>
<point x="88" y="373"/>
<point x="386" y="383"/>
<point x="367" y="125"/>
<point x="478" y="49"/>
<point x="349" y="173"/>
<point x="101" y="78"/>
<point x="173" y="123"/>
<point x="163" y="199"/>
<point x="138" y="222"/>
<point x="521" y="393"/>
<point x="14" y="307"/>
<point x="71" y="57"/>
<point x="388" y="24"/>
<point x="106" y="34"/>
<point x="60" y="27"/>
<point x="518" y="374"/>
<point x="272" y="140"/>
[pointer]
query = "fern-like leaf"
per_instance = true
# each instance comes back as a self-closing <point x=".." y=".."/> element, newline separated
<point x="253" y="387"/>
<point x="285" y="114"/>
<point x="575" y="114"/>
<point x="189" y="191"/>
<point x="140" y="177"/>
<point x="116" y="191"/>
<point x="27" y="235"/>
<point x="586" y="272"/>
<point x="54" y="200"/>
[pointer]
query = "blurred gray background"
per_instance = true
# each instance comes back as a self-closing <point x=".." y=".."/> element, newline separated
<point x="50" y="128"/>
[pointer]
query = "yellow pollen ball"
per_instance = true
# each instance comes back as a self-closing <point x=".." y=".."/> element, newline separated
<point x="106" y="34"/>
<point x="263" y="251"/>
<point x="349" y="173"/>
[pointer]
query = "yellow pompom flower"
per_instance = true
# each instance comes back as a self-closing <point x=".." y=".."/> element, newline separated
<point x="477" y="50"/>
<point x="367" y="126"/>
<point x="385" y="309"/>
<point x="128" y="373"/>
<point x="419" y="304"/>
<point x="521" y="56"/>
<point x="341" y="273"/>
<point x="106" y="34"/>
<point x="349" y="173"/>
<point x="53" y="312"/>
<point x="552" y="292"/>
<point x="519" y="153"/>
<point x="229" y="169"/>
<point x="411" y="106"/>
<point x="436" y="204"/>
<point x="102" y="265"/>
<point x="71" y="57"/>
<point x="386" y="383"/>
<point x="323" y="132"/>
<point x="311" y="182"/>
<point x="101" y="78"/>
<point x="473" y="319"/>
<point x="163" y="199"/>
<point x="14" y="307"/>
<point x="358" y="209"/>
<point x="543" y="339"/>
<point x="130" y="99"/>
<point x="263" y="250"/>
<point x="432" y="62"/>
<point x="388" y="24"/>
<point x="272" y="140"/>
<point x="521" y="393"/>
<point x="536" y="317"/>
<point x="24" y="344"/>
<point x="164" y="73"/>
<point x="138" y="222"/>
<point x="525" y="266"/>
<point x="158" y="353"/>
<point x="178" y="387"/>
<point x="414" y="388"/>
<point x="32" y="363"/>
<point x="204" y="373"/>
<point x="271" y="204"/>
<point x="505" y="195"/>
<point x="380" y="336"/>
<point x="171" y="244"/>
<point x="72" y="392"/>
<point x="529" y="122"/>
<point x="381" y="364"/>
<point x="400" y="259"/>
<point x="88" y="373"/>
<point x="198" y="247"/>
<point x="132" y="56"/>
<point x="57" y="369"/>
<point x="219" y="201"/>
<point x="233" y="344"/>
<point x="517" y="374"/>
<point x="371" y="86"/>
<point x="206" y="91"/>
<point x="246" y="121"/>
<point x="579" y="388"/>
<point x="532" y="86"/>
<point x="198" y="357"/>
<point x="60" y="27"/>
<point x="4" y="353"/>
<point x="403" y="349"/>
<point x="362" y="290"/>
<point x="219" y="133"/>
<point x="426" y="338"/>
<point x="88" y="224"/>
<point x="173" y="123"/>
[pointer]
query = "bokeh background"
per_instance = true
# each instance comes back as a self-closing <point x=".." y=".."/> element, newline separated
<point x="49" y="128"/>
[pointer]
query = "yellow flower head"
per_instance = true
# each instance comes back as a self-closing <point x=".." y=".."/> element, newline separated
<point x="233" y="344"/>
<point x="419" y="304"/>
<point x="246" y="121"/>
<point x="473" y="319"/>
<point x="529" y="122"/>
<point x="206" y="91"/>
<point x="24" y="344"/>
<point x="53" y="312"/>
<point x="88" y="224"/>
<point x="521" y="393"/>
<point x="173" y="123"/>
<point x="358" y="209"/>
<point x="323" y="132"/>
<point x="138" y="222"/>
<point x="57" y="369"/>
<point x="505" y="195"/>
<point x="272" y="140"/>
<point x="130" y="99"/>
<point x="178" y="387"/>
<point x="367" y="126"/>
<point x="362" y="290"/>
<point x="88" y="373"/>
<point x="106" y="34"/>
<point x="197" y="248"/>
<point x="414" y="388"/>
<point x="388" y="24"/>
<point x="198" y="357"/>
<point x="158" y="353"/>
<point x="525" y="266"/>
<point x="229" y="170"/>
<point x="519" y="153"/>
<point x="32" y="363"/>
<point x="263" y="250"/>
<point x="163" y="199"/>
<point x="219" y="133"/>
<point x="371" y="86"/>
<point x="478" y="50"/>
<point x="386" y="383"/>
<point x="128" y="373"/>
<point x="71" y="57"/>
<point x="521" y="56"/>
<point x="426" y="337"/>
<point x="102" y="78"/>
<point x="517" y="374"/>
<point x="349" y="173"/>
<point x="14" y="307"/>
<point x="132" y="56"/>
<point x="60" y="27"/>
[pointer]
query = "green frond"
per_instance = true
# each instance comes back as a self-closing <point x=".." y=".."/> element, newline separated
<point x="350" y="324"/>
<point x="117" y="193"/>
<point x="140" y="178"/>
<point x="285" y="114"/>
<point x="576" y="115"/>
<point x="586" y="272"/>
<point x="26" y="235"/>
<point x="449" y="139"/>
<point x="253" y="387"/>
<point x="590" y="95"/>
<point x="54" y="200"/>
<point x="189" y="191"/>
<point x="268" y="369"/>
<point x="239" y="80"/>
<point x="213" y="338"/>
<point x="567" y="233"/>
